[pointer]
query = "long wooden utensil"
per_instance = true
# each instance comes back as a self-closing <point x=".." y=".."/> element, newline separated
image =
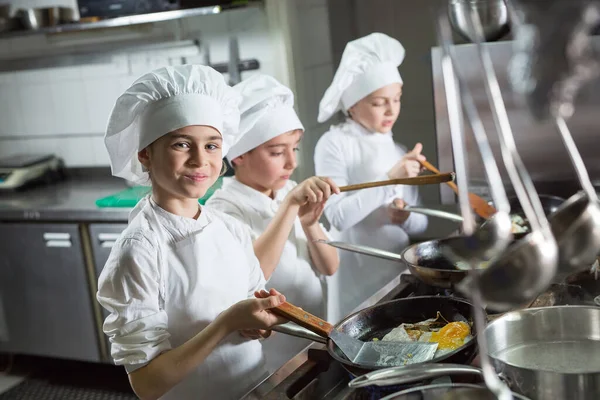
<point x="372" y="354"/>
<point x="418" y="180"/>
<point x="480" y="206"/>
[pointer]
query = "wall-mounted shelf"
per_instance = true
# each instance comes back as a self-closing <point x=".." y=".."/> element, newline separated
<point x="124" y="21"/>
<point x="188" y="51"/>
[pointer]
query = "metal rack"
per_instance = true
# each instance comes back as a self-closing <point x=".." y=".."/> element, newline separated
<point x="123" y="21"/>
<point x="187" y="51"/>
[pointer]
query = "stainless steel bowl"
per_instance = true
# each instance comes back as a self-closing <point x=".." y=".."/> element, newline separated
<point x="492" y="13"/>
<point x="576" y="227"/>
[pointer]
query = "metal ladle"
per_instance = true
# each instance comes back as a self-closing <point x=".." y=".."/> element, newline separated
<point x="496" y="234"/>
<point x="492" y="237"/>
<point x="575" y="224"/>
<point x="528" y="266"/>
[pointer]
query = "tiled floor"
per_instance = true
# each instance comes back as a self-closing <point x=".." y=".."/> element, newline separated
<point x="81" y="376"/>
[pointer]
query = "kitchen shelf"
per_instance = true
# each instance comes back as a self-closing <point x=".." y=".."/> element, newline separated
<point x="126" y="21"/>
<point x="189" y="53"/>
<point x="98" y="54"/>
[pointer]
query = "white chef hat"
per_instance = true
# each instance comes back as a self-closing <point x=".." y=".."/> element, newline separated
<point x="165" y="100"/>
<point x="367" y="64"/>
<point x="267" y="111"/>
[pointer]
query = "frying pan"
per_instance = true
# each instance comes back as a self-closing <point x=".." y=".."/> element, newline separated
<point x="379" y="320"/>
<point x="424" y="260"/>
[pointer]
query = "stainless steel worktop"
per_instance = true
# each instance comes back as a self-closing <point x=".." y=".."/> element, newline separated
<point x="71" y="200"/>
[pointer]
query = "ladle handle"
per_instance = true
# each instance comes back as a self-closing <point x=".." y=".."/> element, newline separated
<point x="304" y="319"/>
<point x="576" y="159"/>
<point x="520" y="178"/>
<point x="418" y="180"/>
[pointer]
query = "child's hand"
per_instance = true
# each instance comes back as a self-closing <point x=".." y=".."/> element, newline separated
<point x="409" y="166"/>
<point x="310" y="213"/>
<point x="312" y="190"/>
<point x="396" y="212"/>
<point x="253" y="314"/>
<point x="255" y="333"/>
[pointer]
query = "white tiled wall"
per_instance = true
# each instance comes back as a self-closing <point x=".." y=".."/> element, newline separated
<point x="313" y="73"/>
<point x="65" y="110"/>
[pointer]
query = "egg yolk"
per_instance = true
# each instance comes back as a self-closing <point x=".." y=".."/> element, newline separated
<point x="451" y="336"/>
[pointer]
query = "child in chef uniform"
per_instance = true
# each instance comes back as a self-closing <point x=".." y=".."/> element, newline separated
<point x="263" y="160"/>
<point x="180" y="281"/>
<point x="367" y="88"/>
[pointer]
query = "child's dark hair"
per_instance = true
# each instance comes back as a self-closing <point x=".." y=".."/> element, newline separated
<point x="228" y="168"/>
<point x="225" y="167"/>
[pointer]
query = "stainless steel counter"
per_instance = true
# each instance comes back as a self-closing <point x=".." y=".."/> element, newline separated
<point x="71" y="200"/>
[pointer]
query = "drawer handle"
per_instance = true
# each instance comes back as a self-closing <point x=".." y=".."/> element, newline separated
<point x="58" y="243"/>
<point x="108" y="236"/>
<point x="57" y="236"/>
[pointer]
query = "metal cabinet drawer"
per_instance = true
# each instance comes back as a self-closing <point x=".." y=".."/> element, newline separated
<point x="45" y="292"/>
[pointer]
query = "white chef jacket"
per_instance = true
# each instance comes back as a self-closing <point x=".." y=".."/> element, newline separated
<point x="294" y="276"/>
<point x="348" y="153"/>
<point x="166" y="279"/>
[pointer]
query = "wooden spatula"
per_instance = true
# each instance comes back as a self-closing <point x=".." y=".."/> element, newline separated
<point x="417" y="180"/>
<point x="480" y="206"/>
<point x="371" y="354"/>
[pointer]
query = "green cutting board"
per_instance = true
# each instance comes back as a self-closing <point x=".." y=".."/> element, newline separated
<point x="128" y="198"/>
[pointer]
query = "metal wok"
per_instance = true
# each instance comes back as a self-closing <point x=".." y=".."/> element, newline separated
<point x="379" y="320"/>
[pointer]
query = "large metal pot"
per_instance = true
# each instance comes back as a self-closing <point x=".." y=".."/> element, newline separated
<point x="492" y="13"/>
<point x="542" y="353"/>
<point x="548" y="353"/>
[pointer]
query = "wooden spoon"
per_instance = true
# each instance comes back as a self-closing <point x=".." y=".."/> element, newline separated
<point x="480" y="206"/>
<point x="418" y="180"/>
